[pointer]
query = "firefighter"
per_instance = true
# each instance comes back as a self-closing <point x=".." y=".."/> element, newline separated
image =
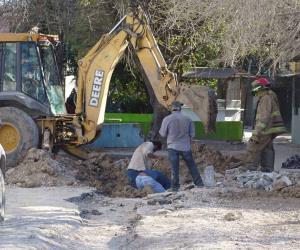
<point x="268" y="124"/>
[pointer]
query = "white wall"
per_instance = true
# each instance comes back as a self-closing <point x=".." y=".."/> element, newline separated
<point x="221" y="111"/>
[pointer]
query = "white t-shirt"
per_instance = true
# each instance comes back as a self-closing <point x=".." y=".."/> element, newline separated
<point x="139" y="160"/>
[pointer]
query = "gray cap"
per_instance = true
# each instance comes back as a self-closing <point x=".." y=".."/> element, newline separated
<point x="176" y="106"/>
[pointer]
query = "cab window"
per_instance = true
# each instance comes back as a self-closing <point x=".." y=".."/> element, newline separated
<point x="10" y="59"/>
<point x="32" y="81"/>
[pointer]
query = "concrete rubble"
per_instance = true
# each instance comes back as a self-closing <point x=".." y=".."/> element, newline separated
<point x="282" y="182"/>
<point x="163" y="198"/>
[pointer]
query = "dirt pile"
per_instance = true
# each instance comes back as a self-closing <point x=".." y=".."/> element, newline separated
<point x="205" y="156"/>
<point x="107" y="175"/>
<point x="40" y="169"/>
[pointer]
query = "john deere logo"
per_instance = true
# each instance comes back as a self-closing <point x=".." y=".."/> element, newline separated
<point x="96" y="88"/>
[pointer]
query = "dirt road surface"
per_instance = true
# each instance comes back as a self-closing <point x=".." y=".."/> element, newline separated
<point x="46" y="218"/>
<point x="49" y="206"/>
<point x="41" y="218"/>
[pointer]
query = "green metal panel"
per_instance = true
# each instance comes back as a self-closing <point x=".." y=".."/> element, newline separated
<point x="143" y="119"/>
<point x="225" y="130"/>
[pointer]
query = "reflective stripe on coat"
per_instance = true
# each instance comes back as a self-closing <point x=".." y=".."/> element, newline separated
<point x="268" y="119"/>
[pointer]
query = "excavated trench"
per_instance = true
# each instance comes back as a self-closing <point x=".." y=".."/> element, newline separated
<point x="108" y="174"/>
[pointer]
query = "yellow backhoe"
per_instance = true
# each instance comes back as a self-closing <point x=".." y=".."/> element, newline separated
<point x="32" y="109"/>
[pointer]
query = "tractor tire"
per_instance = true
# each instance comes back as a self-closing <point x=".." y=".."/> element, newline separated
<point x="18" y="134"/>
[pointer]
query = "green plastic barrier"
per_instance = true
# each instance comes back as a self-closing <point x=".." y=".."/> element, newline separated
<point x="225" y="130"/>
<point x="144" y="120"/>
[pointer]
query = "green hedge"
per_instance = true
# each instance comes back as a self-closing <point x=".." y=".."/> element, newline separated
<point x="225" y="130"/>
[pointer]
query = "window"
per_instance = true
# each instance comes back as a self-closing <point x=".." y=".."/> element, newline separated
<point x="32" y="83"/>
<point x="10" y="58"/>
<point x="49" y="65"/>
<point x="53" y="85"/>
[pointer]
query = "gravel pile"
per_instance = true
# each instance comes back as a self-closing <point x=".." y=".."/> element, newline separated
<point x="284" y="183"/>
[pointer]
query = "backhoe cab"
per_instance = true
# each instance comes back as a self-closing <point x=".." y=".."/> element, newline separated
<point x="30" y="87"/>
<point x="31" y="99"/>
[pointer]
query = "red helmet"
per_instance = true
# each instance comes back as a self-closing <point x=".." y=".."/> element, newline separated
<point x="260" y="84"/>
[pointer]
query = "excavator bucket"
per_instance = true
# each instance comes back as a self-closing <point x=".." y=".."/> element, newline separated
<point x="202" y="100"/>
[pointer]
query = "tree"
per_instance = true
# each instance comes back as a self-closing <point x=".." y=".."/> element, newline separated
<point x="266" y="30"/>
<point x="214" y="32"/>
<point x="249" y="35"/>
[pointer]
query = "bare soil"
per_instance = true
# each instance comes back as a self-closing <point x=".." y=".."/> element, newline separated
<point x="217" y="218"/>
<point x="39" y="168"/>
<point x="105" y="173"/>
<point x="51" y="205"/>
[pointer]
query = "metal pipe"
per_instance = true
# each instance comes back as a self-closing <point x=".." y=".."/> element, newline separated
<point x="116" y="26"/>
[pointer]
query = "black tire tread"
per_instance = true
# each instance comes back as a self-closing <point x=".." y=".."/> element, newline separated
<point x="28" y="131"/>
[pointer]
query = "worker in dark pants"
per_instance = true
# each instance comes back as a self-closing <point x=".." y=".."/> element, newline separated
<point x="180" y="131"/>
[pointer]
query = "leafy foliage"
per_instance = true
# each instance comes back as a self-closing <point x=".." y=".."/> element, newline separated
<point x="127" y="94"/>
<point x="250" y="35"/>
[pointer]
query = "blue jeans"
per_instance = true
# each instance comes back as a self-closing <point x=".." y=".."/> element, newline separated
<point x="142" y="181"/>
<point x="155" y="174"/>
<point x="189" y="160"/>
<point x="131" y="175"/>
<point x="159" y="177"/>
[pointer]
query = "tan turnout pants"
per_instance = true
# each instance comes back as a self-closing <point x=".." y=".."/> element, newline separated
<point x="261" y="153"/>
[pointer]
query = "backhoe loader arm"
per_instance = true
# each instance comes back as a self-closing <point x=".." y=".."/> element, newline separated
<point x="200" y="99"/>
<point x="96" y="68"/>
